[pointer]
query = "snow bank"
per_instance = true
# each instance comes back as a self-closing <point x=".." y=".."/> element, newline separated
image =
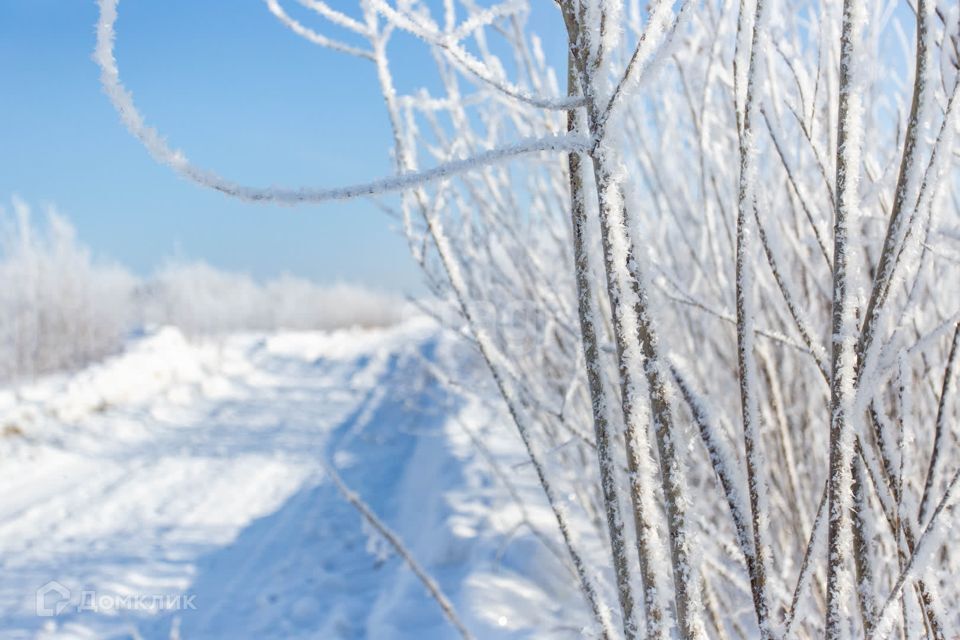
<point x="149" y="366"/>
<point x="193" y="469"/>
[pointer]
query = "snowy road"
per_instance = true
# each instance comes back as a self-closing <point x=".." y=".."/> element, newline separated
<point x="176" y="491"/>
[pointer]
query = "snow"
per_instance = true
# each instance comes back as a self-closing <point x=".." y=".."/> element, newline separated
<point x="178" y="490"/>
<point x="290" y="413"/>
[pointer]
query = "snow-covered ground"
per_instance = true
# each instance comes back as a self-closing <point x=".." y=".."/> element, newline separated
<point x="177" y="491"/>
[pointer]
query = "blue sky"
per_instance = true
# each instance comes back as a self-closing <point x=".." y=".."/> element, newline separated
<point x="234" y="89"/>
<point x="240" y="94"/>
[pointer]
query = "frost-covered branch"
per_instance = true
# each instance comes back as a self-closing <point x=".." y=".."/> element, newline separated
<point x="431" y="585"/>
<point x="122" y="101"/>
<point x="309" y="34"/>
<point x="844" y="323"/>
<point x="746" y="363"/>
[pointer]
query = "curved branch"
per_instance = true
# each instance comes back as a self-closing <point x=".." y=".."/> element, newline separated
<point x="313" y="36"/>
<point x="488" y="16"/>
<point x="122" y="101"/>
<point x="465" y="60"/>
<point x="336" y="17"/>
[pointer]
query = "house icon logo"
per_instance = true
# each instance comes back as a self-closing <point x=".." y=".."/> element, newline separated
<point x="52" y="599"/>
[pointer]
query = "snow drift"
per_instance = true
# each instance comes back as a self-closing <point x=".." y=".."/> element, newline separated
<point x="189" y="474"/>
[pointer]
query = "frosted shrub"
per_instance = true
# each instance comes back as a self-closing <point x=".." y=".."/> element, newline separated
<point x="203" y="300"/>
<point x="296" y="303"/>
<point x="58" y="308"/>
<point x="61" y="309"/>
<point x="738" y="223"/>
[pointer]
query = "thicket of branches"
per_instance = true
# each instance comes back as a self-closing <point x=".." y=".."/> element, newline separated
<point x="62" y="309"/>
<point x="718" y="295"/>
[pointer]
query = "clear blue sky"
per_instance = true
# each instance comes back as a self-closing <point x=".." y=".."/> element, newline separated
<point x="239" y="94"/>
